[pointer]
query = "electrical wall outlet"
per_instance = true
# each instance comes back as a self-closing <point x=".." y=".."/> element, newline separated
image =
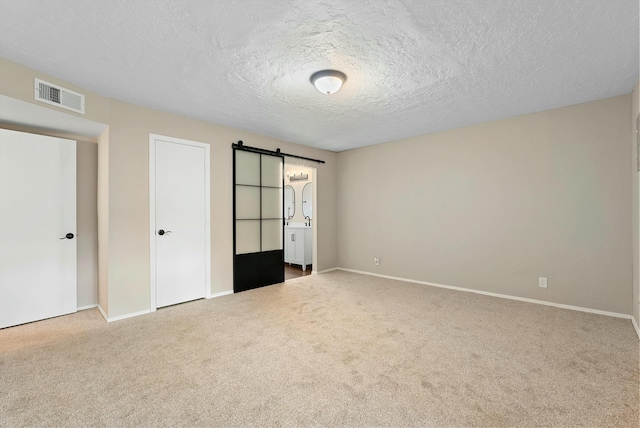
<point x="542" y="282"/>
<point x="376" y="261"/>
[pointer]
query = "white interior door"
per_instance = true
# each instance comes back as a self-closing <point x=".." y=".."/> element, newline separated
<point x="181" y="220"/>
<point x="37" y="214"/>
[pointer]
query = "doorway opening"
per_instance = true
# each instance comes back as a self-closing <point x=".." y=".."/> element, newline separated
<point x="300" y="239"/>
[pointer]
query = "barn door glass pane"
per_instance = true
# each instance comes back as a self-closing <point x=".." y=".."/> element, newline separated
<point x="272" y="203"/>
<point x="247" y="236"/>
<point x="247" y="202"/>
<point x="247" y="168"/>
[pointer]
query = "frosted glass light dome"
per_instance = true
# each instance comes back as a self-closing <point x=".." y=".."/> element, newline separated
<point x="328" y="81"/>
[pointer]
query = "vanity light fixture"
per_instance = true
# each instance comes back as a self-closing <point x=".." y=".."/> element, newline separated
<point x="328" y="81"/>
<point x="298" y="177"/>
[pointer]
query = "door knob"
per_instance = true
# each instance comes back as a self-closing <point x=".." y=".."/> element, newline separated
<point x="68" y="236"/>
<point x="162" y="232"/>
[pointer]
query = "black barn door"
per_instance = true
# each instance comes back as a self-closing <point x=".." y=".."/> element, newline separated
<point x="258" y="223"/>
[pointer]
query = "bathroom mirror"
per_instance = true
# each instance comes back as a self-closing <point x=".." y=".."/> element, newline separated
<point x="307" y="200"/>
<point x="289" y="202"/>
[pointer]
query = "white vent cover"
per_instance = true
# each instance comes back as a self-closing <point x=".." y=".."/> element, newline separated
<point x="58" y="96"/>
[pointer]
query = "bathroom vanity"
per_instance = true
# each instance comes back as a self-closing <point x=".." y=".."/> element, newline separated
<point x="297" y="245"/>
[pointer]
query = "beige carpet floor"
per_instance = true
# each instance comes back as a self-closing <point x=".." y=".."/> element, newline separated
<point x="338" y="349"/>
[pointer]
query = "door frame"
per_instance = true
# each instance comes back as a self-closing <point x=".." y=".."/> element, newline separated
<point x="314" y="198"/>
<point x="153" y="138"/>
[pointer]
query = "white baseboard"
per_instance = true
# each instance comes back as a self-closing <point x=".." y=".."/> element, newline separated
<point x="220" y="294"/>
<point x="122" y="317"/>
<point x="83" y="308"/>
<point x="502" y="296"/>
<point x="331" y="270"/>
<point x="635" y="325"/>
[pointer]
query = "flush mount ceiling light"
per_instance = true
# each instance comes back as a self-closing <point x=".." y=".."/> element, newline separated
<point x="328" y="81"/>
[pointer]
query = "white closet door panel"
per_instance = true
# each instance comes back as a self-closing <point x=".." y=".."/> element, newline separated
<point x="180" y="213"/>
<point x="37" y="208"/>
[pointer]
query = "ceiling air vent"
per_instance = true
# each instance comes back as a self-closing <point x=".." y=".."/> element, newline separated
<point x="58" y="96"/>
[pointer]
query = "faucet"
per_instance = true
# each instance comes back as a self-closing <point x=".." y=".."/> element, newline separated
<point x="307" y="218"/>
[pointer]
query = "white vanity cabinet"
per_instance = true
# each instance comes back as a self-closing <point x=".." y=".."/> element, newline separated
<point x="297" y="245"/>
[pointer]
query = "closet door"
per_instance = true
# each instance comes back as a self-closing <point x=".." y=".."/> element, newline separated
<point x="179" y="191"/>
<point x="258" y="221"/>
<point x="37" y="227"/>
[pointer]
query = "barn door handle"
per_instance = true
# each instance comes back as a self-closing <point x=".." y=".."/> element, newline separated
<point x="68" y="236"/>
<point x="162" y="232"/>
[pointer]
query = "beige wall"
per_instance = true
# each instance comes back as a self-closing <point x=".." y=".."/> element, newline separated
<point x="103" y="219"/>
<point x="124" y="189"/>
<point x="635" y="107"/>
<point x="494" y="206"/>
<point x="87" y="223"/>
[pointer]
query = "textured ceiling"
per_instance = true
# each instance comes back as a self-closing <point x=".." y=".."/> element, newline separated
<point x="413" y="67"/>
